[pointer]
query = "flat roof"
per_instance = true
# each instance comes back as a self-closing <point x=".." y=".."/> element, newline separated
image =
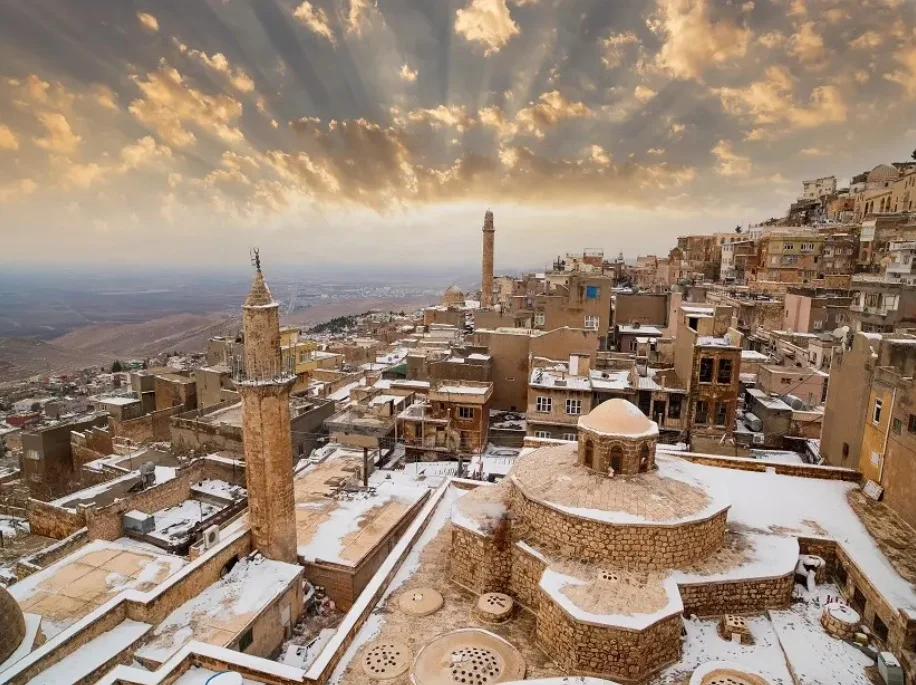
<point x="343" y="530"/>
<point x="66" y="591"/>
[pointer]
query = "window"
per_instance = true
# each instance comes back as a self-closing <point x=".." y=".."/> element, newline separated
<point x="592" y="292"/>
<point x="706" y="370"/>
<point x="574" y="407"/>
<point x="643" y="458"/>
<point x="633" y="345"/>
<point x="721" y="413"/>
<point x="911" y="423"/>
<point x="246" y="639"/>
<point x="702" y="413"/>
<point x="542" y="434"/>
<point x="591" y="322"/>
<point x="725" y="371"/>
<point x="876" y="411"/>
<point x="785" y="381"/>
<point x="841" y="575"/>
<point x="538" y="319"/>
<point x="880" y="629"/>
<point x="897" y="426"/>
<point x="544" y="404"/>
<point x="845" y="449"/>
<point x="465" y="412"/>
<point x="818" y="325"/>
<point x="674" y="407"/>
<point x="589" y="453"/>
<point x="571" y="437"/>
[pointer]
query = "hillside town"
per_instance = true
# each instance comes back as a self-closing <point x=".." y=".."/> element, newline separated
<point x="689" y="469"/>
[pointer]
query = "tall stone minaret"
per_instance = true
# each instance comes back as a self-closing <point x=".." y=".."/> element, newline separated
<point x="486" y="281"/>
<point x="264" y="385"/>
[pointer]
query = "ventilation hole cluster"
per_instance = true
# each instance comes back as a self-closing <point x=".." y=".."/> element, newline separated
<point x="384" y="659"/>
<point x="474" y="666"/>
<point x="736" y="621"/>
<point x="608" y="575"/>
<point x="496" y="600"/>
<point x="416" y="597"/>
<point x="728" y="680"/>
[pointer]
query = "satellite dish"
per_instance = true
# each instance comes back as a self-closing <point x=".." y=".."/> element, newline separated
<point x="840" y="333"/>
<point x="225" y="678"/>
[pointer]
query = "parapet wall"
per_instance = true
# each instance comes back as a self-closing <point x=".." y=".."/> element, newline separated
<point x="747" y="464"/>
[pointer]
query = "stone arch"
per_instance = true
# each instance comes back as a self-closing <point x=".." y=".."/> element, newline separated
<point x="615" y="455"/>
<point x="644" y="457"/>
<point x="588" y="454"/>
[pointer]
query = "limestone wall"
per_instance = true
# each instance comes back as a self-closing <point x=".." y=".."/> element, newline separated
<point x="737" y="597"/>
<point x="477" y="562"/>
<point x="525" y="577"/>
<point x="52" y="521"/>
<point x="648" y="546"/>
<point x="622" y="655"/>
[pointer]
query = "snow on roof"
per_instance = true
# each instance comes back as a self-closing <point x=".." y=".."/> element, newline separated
<point x="93" y="654"/>
<point x="753" y="355"/>
<point x="694" y="309"/>
<point x="462" y="389"/>
<point x="214" y="615"/>
<point x="219" y="488"/>
<point x="174" y="523"/>
<point x="644" y="330"/>
<point x="119" y="400"/>
<point x="767" y="401"/>
<point x="558" y="377"/>
<point x="714" y="341"/>
<point x="343" y="393"/>
<point x="610" y="380"/>
<point x="480" y="357"/>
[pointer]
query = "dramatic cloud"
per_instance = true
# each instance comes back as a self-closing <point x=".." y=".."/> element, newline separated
<point x="8" y="140"/>
<point x="357" y="127"/>
<point x="148" y="21"/>
<point x="316" y="19"/>
<point x="487" y="22"/>
<point x="693" y="41"/>
<point x="168" y="104"/>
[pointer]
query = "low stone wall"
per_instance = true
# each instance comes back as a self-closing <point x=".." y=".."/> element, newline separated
<point x="622" y="655"/>
<point x="106" y="522"/>
<point x="151" y="427"/>
<point x="648" y="546"/>
<point x="738" y="596"/>
<point x="747" y="464"/>
<point x="52" y="521"/>
<point x="26" y="566"/>
<point x="478" y="563"/>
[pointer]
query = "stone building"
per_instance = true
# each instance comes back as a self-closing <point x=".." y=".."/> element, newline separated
<point x="607" y="546"/>
<point x="453" y="422"/>
<point x="881" y="307"/>
<point x="559" y="393"/>
<point x="807" y="310"/>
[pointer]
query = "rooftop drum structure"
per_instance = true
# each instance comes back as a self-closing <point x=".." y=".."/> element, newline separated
<point x="617" y="438"/>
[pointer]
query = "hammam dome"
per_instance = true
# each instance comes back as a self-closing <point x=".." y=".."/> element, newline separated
<point x="882" y="174"/>
<point x="453" y="297"/>
<point x="12" y="624"/>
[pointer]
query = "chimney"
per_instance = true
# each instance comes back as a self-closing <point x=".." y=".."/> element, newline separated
<point x="486" y="281"/>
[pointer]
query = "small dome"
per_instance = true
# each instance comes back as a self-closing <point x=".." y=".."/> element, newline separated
<point x="12" y="624"/>
<point x="453" y="296"/>
<point x="882" y="173"/>
<point x="620" y="418"/>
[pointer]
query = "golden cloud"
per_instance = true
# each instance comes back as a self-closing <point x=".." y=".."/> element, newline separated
<point x="550" y="109"/>
<point x="906" y="76"/>
<point x="615" y="48"/>
<point x="316" y="19"/>
<point x="60" y="138"/>
<point x="728" y="162"/>
<point x="487" y="22"/>
<point x="692" y="41"/>
<point x="8" y="140"/>
<point x="218" y="62"/>
<point x="169" y="103"/>
<point x="407" y="74"/>
<point x="17" y="189"/>
<point x="148" y="21"/>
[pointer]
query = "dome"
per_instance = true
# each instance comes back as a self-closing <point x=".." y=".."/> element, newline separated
<point x="12" y="625"/>
<point x="883" y="173"/>
<point x="453" y="296"/>
<point x="618" y="417"/>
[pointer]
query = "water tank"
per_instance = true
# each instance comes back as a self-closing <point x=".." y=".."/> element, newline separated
<point x="753" y="422"/>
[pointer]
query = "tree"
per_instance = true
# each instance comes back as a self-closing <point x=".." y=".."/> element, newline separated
<point x="738" y="228"/>
<point x="117" y="366"/>
<point x="913" y="155"/>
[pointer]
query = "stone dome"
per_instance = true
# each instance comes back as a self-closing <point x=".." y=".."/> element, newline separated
<point x="12" y="624"/>
<point x="619" y="418"/>
<point x="883" y="173"/>
<point x="453" y="297"/>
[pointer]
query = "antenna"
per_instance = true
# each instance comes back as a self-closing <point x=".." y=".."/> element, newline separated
<point x="256" y="258"/>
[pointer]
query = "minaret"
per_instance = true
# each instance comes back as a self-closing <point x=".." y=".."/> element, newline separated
<point x="486" y="281"/>
<point x="264" y="385"/>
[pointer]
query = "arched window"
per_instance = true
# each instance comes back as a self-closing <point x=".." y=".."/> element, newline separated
<point x="616" y="455"/>
<point x="644" y="457"/>
<point x="589" y="458"/>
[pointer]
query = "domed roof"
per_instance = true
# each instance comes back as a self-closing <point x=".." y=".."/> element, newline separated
<point x="619" y="417"/>
<point x="12" y="624"/>
<point x="453" y="296"/>
<point x="882" y="173"/>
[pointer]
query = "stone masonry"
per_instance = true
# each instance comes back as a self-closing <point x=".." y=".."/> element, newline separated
<point x="486" y="281"/>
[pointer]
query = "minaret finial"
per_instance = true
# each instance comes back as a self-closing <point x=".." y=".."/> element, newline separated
<point x="256" y="258"/>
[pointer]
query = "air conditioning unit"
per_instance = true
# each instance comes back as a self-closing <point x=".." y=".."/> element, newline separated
<point x="211" y="537"/>
<point x="889" y="669"/>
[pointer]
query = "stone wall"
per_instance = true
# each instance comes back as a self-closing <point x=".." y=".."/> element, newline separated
<point x="649" y="546"/>
<point x="52" y="521"/>
<point x="603" y="448"/>
<point x="747" y="464"/>
<point x="477" y="562"/>
<point x="188" y="432"/>
<point x="26" y="566"/>
<point x="737" y="597"/>
<point x="152" y="427"/>
<point x="588" y="649"/>
<point x="91" y="444"/>
<point x="527" y="569"/>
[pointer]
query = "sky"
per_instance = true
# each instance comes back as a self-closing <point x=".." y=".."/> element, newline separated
<point x="366" y="132"/>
